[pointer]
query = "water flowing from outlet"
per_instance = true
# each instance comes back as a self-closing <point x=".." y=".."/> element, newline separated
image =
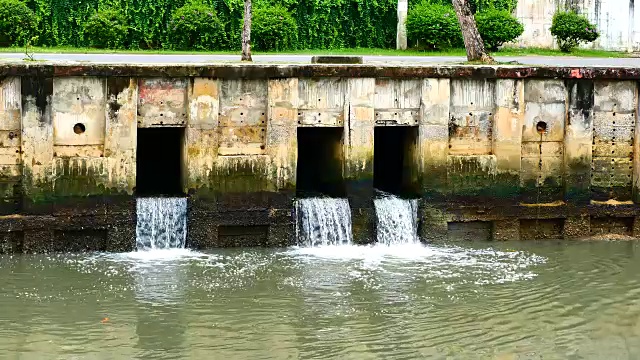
<point x="162" y="223"/>
<point x="397" y="220"/>
<point x="323" y="221"/>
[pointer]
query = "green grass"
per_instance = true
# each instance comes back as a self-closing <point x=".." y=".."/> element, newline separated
<point x="358" y="51"/>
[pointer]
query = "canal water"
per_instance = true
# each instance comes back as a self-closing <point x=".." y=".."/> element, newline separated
<point x="518" y="300"/>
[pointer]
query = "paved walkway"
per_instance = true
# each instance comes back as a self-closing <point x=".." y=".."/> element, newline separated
<point x="424" y="60"/>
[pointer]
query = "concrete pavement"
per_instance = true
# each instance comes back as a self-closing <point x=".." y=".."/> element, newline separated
<point x="418" y="60"/>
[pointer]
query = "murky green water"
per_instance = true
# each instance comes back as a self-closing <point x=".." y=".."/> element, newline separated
<point x="554" y="300"/>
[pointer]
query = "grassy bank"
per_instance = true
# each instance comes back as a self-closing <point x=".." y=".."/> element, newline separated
<point x="360" y="51"/>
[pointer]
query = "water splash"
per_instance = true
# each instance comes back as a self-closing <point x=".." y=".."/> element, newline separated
<point x="162" y="223"/>
<point x="323" y="222"/>
<point x="397" y="220"/>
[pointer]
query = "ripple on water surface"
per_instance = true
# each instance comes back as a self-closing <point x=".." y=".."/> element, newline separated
<point x="406" y="301"/>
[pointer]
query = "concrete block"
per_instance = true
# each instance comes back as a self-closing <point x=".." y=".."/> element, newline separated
<point x="331" y="118"/>
<point x="469" y="95"/>
<point x="551" y="116"/>
<point x="549" y="174"/>
<point x="545" y="91"/>
<point x="471" y="134"/>
<point x="542" y="149"/>
<point x="614" y="119"/>
<point x="204" y="103"/>
<point x="162" y="102"/>
<point x="283" y="102"/>
<point x="78" y="107"/>
<point x="332" y="59"/>
<point x="10" y="104"/>
<point x="329" y="93"/>
<point x="608" y="172"/>
<point x="121" y="126"/>
<point x="78" y="151"/>
<point x="243" y="103"/>
<point x="201" y="153"/>
<point x="246" y="140"/>
<point x="397" y="117"/>
<point x="615" y="96"/>
<point x="282" y="148"/>
<point x="435" y="104"/>
<point x="243" y="117"/>
<point x="397" y="94"/>
<point x="358" y="144"/>
<point x="507" y="125"/>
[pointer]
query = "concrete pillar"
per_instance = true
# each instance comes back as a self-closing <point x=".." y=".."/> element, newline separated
<point x="401" y="32"/>
<point x="10" y="158"/>
<point x="120" y="150"/>
<point x="358" y="152"/>
<point x="507" y="136"/>
<point x="578" y="142"/>
<point x="433" y="137"/>
<point x="613" y="138"/>
<point x="282" y="149"/>
<point x="200" y="154"/>
<point x="36" y="142"/>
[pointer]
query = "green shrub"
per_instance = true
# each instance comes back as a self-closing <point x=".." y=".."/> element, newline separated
<point x="273" y="28"/>
<point x="434" y="26"/>
<point x="17" y="23"/>
<point x="570" y="29"/>
<point x="486" y="5"/>
<point x="196" y="26"/>
<point x="498" y="27"/>
<point x="107" y="29"/>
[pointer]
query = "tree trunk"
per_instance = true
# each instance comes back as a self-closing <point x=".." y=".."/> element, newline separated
<point x="472" y="40"/>
<point x="246" y="32"/>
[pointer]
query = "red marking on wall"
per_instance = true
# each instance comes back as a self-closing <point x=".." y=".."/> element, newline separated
<point x="576" y="73"/>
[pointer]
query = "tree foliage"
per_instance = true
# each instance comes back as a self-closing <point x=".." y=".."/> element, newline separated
<point x="322" y="24"/>
<point x="17" y="23"/>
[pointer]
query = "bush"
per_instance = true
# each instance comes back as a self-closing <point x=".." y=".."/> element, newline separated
<point x="107" y="29"/>
<point x="498" y="27"/>
<point x="570" y="29"/>
<point x="17" y="23"/>
<point x="196" y="26"/>
<point x="273" y="28"/>
<point x="434" y="26"/>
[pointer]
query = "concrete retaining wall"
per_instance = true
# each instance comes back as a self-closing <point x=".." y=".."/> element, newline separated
<point x="522" y="152"/>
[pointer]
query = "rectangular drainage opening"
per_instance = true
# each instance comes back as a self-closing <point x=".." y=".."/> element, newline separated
<point x="159" y="161"/>
<point x="393" y="159"/>
<point x="87" y="240"/>
<point x="609" y="225"/>
<point x="541" y="229"/>
<point x="242" y="236"/>
<point x="320" y="162"/>
<point x="469" y="231"/>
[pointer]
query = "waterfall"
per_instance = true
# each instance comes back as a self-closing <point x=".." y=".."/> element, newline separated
<point x="397" y="220"/>
<point x="162" y="223"/>
<point x="323" y="221"/>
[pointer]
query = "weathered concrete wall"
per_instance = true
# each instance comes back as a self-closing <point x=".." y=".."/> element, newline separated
<point x="617" y="20"/>
<point x="513" y="152"/>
